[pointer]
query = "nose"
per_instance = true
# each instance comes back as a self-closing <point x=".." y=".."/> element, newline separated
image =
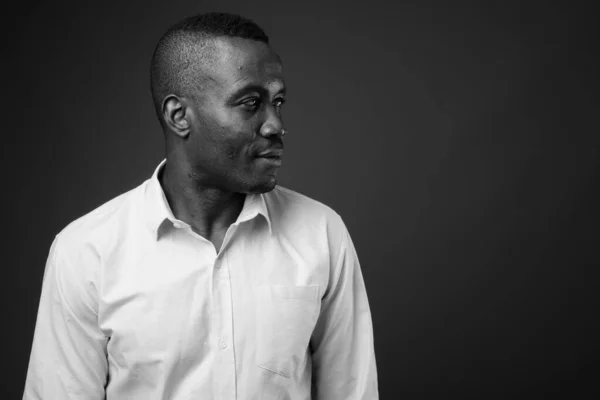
<point x="273" y="124"/>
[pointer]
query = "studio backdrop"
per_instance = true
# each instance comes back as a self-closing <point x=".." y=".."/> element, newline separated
<point x="459" y="143"/>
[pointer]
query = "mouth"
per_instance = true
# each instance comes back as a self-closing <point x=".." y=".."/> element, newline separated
<point x="271" y="156"/>
<point x="272" y="160"/>
<point x="275" y="153"/>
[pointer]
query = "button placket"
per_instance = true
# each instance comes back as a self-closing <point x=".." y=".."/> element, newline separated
<point x="223" y="342"/>
<point x="225" y="358"/>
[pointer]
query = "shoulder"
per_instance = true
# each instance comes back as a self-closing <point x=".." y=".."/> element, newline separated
<point x="102" y="225"/>
<point x="296" y="213"/>
<point x="289" y="203"/>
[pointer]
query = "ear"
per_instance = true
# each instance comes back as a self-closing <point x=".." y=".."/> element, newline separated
<point x="174" y="115"/>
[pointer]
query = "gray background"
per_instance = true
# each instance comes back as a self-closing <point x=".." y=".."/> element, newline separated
<point x="459" y="142"/>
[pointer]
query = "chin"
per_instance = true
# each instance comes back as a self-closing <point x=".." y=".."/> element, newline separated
<point x="263" y="186"/>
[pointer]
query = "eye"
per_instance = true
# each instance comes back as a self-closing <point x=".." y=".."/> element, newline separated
<point x="279" y="102"/>
<point x="251" y="104"/>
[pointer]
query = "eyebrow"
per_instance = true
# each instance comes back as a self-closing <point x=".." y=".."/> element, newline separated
<point x="251" y="87"/>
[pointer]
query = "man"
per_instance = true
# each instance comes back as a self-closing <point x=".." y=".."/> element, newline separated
<point x="208" y="281"/>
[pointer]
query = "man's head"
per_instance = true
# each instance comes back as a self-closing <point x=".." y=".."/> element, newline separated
<point x="218" y="88"/>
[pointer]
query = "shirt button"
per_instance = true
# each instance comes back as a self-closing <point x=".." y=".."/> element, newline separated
<point x="223" y="342"/>
<point x="177" y="225"/>
<point x="217" y="265"/>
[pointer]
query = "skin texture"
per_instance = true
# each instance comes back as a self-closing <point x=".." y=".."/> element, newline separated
<point x="215" y="130"/>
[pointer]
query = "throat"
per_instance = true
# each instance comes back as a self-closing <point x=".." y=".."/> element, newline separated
<point x="208" y="210"/>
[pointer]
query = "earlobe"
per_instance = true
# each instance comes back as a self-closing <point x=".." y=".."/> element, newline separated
<point x="174" y="114"/>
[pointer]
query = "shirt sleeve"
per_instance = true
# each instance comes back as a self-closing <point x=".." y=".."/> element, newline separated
<point x="68" y="355"/>
<point x="343" y="354"/>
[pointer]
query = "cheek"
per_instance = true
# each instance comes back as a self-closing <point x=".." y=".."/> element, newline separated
<point x="231" y="136"/>
<point x="235" y="147"/>
<point x="231" y="151"/>
<point x="236" y="143"/>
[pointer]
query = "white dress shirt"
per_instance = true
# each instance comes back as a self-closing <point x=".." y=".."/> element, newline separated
<point x="135" y="305"/>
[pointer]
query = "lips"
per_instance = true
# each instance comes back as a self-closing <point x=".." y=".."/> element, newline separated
<point x="275" y="153"/>
<point x="272" y="161"/>
<point x="271" y="157"/>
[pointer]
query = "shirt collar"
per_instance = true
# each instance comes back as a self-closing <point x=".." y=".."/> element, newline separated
<point x="158" y="210"/>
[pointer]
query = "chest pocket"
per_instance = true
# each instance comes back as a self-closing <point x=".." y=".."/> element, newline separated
<point x="286" y="317"/>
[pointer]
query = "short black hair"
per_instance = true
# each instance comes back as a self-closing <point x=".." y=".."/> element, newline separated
<point x="170" y="66"/>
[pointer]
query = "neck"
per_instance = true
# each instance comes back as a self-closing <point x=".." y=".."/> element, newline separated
<point x="207" y="209"/>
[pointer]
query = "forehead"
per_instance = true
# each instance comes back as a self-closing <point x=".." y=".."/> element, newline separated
<point x="238" y="62"/>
